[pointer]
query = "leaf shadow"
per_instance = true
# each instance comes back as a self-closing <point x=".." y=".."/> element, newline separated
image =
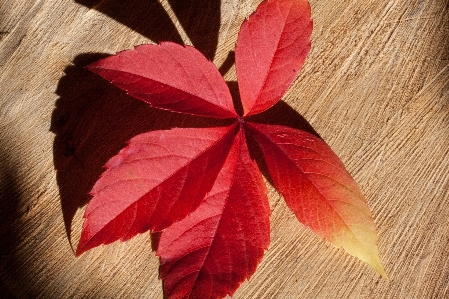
<point x="11" y="236"/>
<point x="92" y="121"/>
<point x="199" y="19"/>
<point x="284" y="115"/>
<point x="280" y="114"/>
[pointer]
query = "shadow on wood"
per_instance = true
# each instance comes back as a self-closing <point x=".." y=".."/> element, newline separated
<point x="10" y="233"/>
<point x="284" y="115"/>
<point x="200" y="20"/>
<point x="280" y="114"/>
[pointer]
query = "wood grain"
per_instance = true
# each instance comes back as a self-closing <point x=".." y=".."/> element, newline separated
<point x="375" y="87"/>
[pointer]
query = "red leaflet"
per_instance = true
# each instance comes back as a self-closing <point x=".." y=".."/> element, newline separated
<point x="271" y="49"/>
<point x="169" y="76"/>
<point x="319" y="190"/>
<point x="159" y="178"/>
<point x="209" y="253"/>
<point x="199" y="186"/>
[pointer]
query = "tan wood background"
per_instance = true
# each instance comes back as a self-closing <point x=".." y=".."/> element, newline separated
<point x="375" y="87"/>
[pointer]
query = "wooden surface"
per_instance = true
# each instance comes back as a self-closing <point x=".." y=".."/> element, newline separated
<point x="375" y="87"/>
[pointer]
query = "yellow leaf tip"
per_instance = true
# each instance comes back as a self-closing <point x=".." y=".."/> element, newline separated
<point x="374" y="262"/>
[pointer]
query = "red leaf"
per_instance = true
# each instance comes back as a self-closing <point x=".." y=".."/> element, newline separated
<point x="210" y="252"/>
<point x="169" y="76"/>
<point x="271" y="48"/>
<point x="200" y="186"/>
<point x="319" y="190"/>
<point x="158" y="179"/>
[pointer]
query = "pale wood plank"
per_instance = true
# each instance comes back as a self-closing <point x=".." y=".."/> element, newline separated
<point x="375" y="87"/>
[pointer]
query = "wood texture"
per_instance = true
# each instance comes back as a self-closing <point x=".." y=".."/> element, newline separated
<point x="375" y="87"/>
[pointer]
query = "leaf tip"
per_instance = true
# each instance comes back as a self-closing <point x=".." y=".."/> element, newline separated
<point x="91" y="67"/>
<point x="382" y="273"/>
<point x="376" y="264"/>
<point x="79" y="250"/>
<point x="369" y="255"/>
